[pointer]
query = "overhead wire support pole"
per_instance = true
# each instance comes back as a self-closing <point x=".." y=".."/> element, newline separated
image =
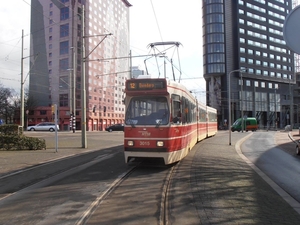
<point x="22" y="84"/>
<point x="83" y="90"/>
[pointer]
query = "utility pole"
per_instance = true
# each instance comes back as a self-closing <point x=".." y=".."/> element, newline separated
<point x="242" y="110"/>
<point x="83" y="90"/>
<point x="275" y="98"/>
<point x="22" y="85"/>
<point x="291" y="105"/>
<point x="74" y="90"/>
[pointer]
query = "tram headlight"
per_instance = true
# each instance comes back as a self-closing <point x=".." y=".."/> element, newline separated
<point x="159" y="143"/>
<point x="130" y="143"/>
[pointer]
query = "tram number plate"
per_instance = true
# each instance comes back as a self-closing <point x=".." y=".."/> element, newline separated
<point x="144" y="143"/>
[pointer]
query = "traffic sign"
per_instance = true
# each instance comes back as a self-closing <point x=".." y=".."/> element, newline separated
<point x="291" y="30"/>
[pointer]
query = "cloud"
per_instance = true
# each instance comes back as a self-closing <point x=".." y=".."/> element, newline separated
<point x="14" y="16"/>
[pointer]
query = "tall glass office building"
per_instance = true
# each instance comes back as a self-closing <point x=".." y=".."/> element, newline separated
<point x="244" y="40"/>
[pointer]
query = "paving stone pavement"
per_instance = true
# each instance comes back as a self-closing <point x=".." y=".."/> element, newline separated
<point x="225" y="188"/>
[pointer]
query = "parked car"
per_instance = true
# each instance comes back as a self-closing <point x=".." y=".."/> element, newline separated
<point x="44" y="126"/>
<point x="115" y="127"/>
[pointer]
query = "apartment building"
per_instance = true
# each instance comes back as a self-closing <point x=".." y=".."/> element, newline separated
<point x="58" y="57"/>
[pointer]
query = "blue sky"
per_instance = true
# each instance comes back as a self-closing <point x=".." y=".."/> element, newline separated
<point x="150" y="21"/>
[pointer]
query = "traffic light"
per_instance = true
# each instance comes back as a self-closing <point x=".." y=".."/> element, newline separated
<point x="52" y="109"/>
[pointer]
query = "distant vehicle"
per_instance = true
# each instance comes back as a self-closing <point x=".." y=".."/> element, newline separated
<point x="250" y="123"/>
<point x="115" y="127"/>
<point x="44" y="126"/>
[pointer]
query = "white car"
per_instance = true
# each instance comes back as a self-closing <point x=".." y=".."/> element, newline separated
<point x="44" y="126"/>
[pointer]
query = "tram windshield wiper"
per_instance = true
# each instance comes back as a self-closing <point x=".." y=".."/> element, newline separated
<point x="158" y="122"/>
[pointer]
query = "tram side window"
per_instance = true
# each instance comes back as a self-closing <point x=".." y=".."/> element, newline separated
<point x="176" y="109"/>
<point x="193" y="112"/>
<point x="202" y="115"/>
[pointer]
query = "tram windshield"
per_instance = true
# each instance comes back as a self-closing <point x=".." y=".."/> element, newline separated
<point x="147" y="111"/>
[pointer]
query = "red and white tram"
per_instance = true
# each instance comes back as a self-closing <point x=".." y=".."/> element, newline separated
<point x="164" y="120"/>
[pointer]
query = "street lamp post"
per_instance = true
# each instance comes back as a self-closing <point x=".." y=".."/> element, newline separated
<point x="229" y="102"/>
<point x="275" y="109"/>
<point x="242" y="109"/>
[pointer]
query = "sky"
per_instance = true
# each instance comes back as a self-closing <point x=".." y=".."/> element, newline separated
<point x="14" y="16"/>
<point x="150" y="21"/>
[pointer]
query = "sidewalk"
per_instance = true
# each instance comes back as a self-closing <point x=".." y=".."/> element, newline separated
<point x="12" y="161"/>
<point x="229" y="189"/>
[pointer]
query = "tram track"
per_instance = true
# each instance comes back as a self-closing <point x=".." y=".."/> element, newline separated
<point x="148" y="185"/>
<point x="164" y="210"/>
<point x="140" y="199"/>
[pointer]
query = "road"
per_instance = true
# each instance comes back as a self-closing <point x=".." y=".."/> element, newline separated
<point x="281" y="167"/>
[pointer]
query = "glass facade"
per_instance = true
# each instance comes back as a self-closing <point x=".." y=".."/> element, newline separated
<point x="247" y="35"/>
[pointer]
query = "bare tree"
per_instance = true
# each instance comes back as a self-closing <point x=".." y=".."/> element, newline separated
<point x="5" y="103"/>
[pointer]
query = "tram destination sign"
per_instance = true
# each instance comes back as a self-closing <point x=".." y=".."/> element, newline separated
<point x="139" y="85"/>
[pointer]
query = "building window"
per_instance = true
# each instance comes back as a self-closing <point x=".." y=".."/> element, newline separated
<point x="263" y="84"/>
<point x="64" y="13"/>
<point x="270" y="85"/>
<point x="248" y="83"/>
<point x="63" y="64"/>
<point x="63" y="100"/>
<point x="64" y="47"/>
<point x="64" y="30"/>
<point x="256" y="83"/>
<point x="64" y="83"/>
<point x="250" y="70"/>
<point x="216" y="68"/>
<point x="258" y="72"/>
<point x="43" y="112"/>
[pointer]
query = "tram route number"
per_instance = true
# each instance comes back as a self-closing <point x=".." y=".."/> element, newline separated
<point x="144" y="143"/>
